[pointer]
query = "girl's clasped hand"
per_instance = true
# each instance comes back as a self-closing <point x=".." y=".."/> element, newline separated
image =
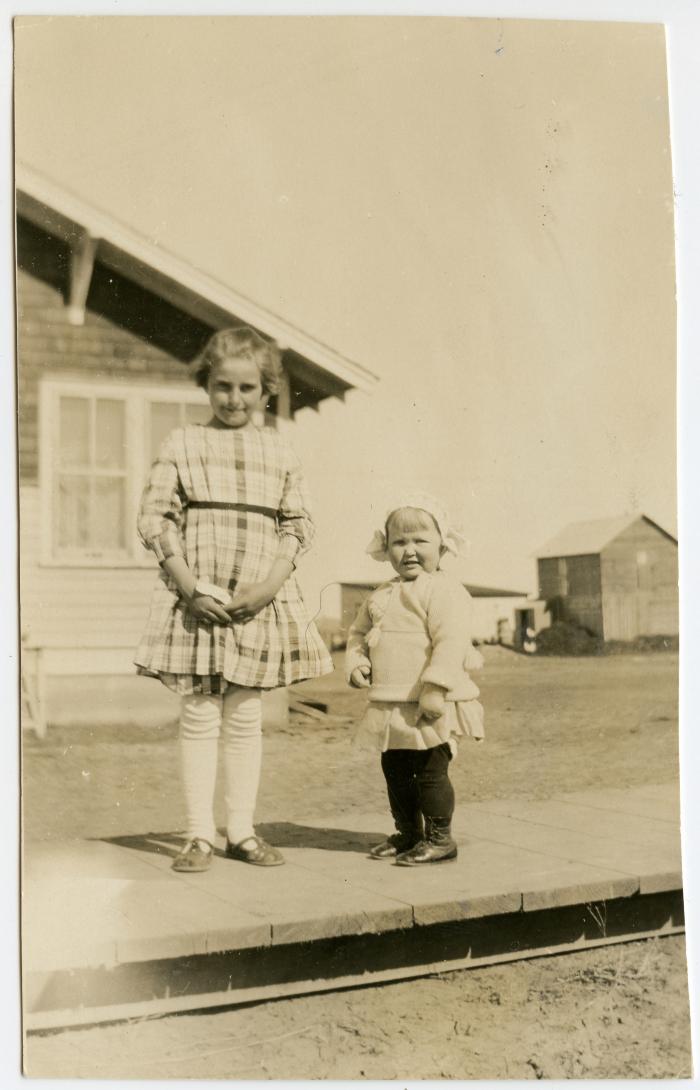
<point x="224" y="609"/>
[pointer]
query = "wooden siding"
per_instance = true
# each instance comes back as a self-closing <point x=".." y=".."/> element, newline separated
<point x="47" y="344"/>
<point x="77" y="608"/>
<point x="571" y="586"/>
<point x="85" y="616"/>
<point x="549" y="578"/>
<point x="640" y="583"/>
<point x="583" y="602"/>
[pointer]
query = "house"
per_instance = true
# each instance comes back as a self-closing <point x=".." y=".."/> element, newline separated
<point x="106" y="324"/>
<point x="616" y="577"/>
<point x="494" y="610"/>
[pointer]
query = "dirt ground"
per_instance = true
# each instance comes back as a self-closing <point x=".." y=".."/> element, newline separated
<point x="552" y="725"/>
<point x="603" y="1015"/>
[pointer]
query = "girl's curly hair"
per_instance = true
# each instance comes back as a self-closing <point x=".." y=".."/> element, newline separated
<point x="240" y="342"/>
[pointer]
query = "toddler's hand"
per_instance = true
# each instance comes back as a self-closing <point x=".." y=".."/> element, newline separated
<point x="360" y="677"/>
<point x="432" y="701"/>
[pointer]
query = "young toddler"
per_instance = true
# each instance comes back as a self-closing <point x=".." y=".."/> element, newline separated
<point x="410" y="644"/>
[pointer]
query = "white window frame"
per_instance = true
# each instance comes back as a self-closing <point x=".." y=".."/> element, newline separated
<point x="137" y="397"/>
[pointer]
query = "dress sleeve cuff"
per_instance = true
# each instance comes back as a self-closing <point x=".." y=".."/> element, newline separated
<point x="165" y="546"/>
<point x="435" y="676"/>
<point x="288" y="548"/>
<point x="352" y="661"/>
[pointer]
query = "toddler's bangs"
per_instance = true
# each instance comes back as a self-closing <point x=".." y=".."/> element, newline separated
<point x="407" y="520"/>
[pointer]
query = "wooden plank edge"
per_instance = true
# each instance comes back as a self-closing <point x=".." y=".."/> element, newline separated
<point x="50" y="1020"/>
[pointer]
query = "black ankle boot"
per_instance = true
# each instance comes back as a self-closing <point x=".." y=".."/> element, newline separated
<point x="405" y="837"/>
<point x="437" y="847"/>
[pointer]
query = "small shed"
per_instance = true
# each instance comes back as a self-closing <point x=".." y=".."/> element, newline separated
<point x="617" y="577"/>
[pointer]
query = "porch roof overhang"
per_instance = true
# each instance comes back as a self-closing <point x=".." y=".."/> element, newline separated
<point x="315" y="370"/>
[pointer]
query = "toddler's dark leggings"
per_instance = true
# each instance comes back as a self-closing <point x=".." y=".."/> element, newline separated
<point x="417" y="782"/>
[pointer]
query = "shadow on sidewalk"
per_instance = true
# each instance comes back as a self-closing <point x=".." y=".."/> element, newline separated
<point x="283" y="834"/>
<point x="168" y="844"/>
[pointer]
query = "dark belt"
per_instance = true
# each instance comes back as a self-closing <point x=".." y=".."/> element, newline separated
<point x="217" y="505"/>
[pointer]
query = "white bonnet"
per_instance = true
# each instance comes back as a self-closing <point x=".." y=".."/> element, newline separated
<point x="451" y="538"/>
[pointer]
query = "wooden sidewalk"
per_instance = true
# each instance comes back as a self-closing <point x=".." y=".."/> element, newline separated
<point x="110" y="931"/>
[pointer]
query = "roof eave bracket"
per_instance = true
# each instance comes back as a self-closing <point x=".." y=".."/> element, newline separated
<point x="82" y="263"/>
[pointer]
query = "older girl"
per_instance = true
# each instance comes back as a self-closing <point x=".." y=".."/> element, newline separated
<point x="227" y="515"/>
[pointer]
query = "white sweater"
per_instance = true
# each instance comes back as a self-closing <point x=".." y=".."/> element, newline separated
<point x="413" y="632"/>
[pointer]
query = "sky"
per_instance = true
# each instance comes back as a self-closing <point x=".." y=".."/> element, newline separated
<point x="479" y="211"/>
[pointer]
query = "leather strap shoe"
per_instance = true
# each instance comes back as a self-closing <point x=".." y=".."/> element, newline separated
<point x="196" y="856"/>
<point x="259" y="853"/>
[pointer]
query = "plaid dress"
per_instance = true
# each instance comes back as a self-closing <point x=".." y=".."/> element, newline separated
<point x="253" y="467"/>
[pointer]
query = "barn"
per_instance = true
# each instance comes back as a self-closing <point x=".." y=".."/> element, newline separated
<point x="617" y="577"/>
<point x="106" y="324"/>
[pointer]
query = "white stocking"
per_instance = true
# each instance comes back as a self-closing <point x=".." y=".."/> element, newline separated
<point x="200" y="721"/>
<point x="242" y="731"/>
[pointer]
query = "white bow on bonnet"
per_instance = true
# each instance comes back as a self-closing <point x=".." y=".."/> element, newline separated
<point x="451" y="538"/>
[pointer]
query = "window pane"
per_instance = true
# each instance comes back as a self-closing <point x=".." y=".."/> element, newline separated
<point x="165" y="415"/>
<point x="198" y="414"/>
<point x="110" y="425"/>
<point x="73" y="512"/>
<point x="74" y="434"/>
<point x="109" y="522"/>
